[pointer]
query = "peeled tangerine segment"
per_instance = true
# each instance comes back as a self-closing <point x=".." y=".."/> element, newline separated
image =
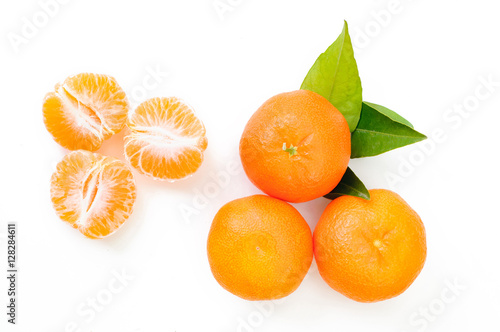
<point x="166" y="139"/>
<point x="85" y="110"/>
<point x="93" y="193"/>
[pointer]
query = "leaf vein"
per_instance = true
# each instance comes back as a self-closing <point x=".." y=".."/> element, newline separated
<point x="389" y="134"/>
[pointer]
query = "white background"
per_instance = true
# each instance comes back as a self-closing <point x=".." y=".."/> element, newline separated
<point x="426" y="58"/>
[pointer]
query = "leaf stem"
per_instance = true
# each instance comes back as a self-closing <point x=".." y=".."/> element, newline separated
<point x="292" y="150"/>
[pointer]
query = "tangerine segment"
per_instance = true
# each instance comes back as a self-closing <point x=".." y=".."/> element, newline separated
<point x="167" y="140"/>
<point x="93" y="193"/>
<point x="85" y="110"/>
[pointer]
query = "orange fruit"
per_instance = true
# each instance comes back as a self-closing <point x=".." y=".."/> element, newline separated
<point x="85" y="110"/>
<point x="93" y="193"/>
<point x="259" y="248"/>
<point x="296" y="146"/>
<point x="167" y="140"/>
<point x="370" y="250"/>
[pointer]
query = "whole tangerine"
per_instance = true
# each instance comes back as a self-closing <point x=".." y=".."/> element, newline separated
<point x="259" y="248"/>
<point x="370" y="250"/>
<point x="296" y="146"/>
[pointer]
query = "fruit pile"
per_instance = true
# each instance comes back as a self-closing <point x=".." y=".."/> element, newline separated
<point x="369" y="245"/>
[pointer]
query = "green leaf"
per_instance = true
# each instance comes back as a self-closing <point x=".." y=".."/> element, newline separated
<point x="389" y="113"/>
<point x="350" y="185"/>
<point x="335" y="76"/>
<point x="380" y="130"/>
